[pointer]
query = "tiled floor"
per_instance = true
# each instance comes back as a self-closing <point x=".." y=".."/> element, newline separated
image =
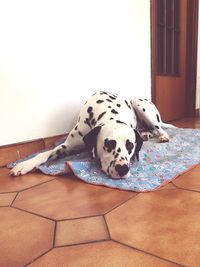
<point x="61" y="221"/>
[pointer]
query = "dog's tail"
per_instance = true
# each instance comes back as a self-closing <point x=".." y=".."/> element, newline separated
<point x="167" y="125"/>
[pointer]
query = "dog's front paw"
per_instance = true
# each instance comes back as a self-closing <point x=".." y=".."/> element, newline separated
<point x="146" y="136"/>
<point x="21" y="169"/>
<point x="164" y="138"/>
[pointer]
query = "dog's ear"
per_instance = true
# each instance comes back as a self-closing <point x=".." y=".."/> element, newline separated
<point x="90" y="139"/>
<point x="139" y="142"/>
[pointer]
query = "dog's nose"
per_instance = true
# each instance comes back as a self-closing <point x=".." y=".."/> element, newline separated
<point x="122" y="169"/>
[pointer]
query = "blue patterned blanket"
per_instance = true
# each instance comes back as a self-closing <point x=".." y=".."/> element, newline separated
<point x="159" y="163"/>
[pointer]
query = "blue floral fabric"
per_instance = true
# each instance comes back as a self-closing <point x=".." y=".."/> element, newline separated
<point x="159" y="163"/>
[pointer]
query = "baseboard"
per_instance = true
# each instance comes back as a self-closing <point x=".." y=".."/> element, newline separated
<point x="20" y="150"/>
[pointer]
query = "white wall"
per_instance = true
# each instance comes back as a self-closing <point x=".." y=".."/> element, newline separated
<point x="198" y="67"/>
<point x="55" y="53"/>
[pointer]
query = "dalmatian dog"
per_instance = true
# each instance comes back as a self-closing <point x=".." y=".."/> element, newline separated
<point x="108" y="127"/>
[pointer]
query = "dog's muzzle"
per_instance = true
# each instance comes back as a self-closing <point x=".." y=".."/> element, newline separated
<point x="122" y="170"/>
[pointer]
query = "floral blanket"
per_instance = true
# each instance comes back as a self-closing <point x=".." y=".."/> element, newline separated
<point x="159" y="163"/>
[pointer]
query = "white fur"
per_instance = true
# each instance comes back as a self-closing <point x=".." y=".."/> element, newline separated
<point x="121" y="129"/>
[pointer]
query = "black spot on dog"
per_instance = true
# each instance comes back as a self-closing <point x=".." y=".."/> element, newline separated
<point x="109" y="106"/>
<point x="87" y="121"/>
<point x="116" y="156"/>
<point x="51" y="156"/>
<point x="131" y="126"/>
<point x="111" y="163"/>
<point x="93" y="122"/>
<point x="58" y="152"/>
<point x="64" y="146"/>
<point x="72" y="135"/>
<point x="103" y="93"/>
<point x="119" y="150"/>
<point x="89" y="109"/>
<point x="141" y="99"/>
<point x="76" y="127"/>
<point x="111" y="118"/>
<point x="118" y="121"/>
<point x="118" y="105"/>
<point x="101" y="115"/>
<point x="108" y="100"/>
<point x="158" y="118"/>
<point x="127" y="104"/>
<point x="99" y="101"/>
<point x="112" y="97"/>
<point x="129" y="146"/>
<point x="157" y="127"/>
<point x="91" y="115"/>
<point x="110" y="144"/>
<point x="144" y="109"/>
<point x="80" y="133"/>
<point x="114" y="111"/>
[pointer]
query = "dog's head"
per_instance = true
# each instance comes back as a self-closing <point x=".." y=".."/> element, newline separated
<point x="114" y="148"/>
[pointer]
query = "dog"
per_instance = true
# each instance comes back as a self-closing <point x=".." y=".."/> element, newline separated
<point x="109" y="127"/>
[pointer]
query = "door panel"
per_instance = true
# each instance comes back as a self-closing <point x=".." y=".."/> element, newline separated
<point x="169" y="25"/>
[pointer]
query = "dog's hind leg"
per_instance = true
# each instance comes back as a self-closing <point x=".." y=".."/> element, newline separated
<point x="73" y="142"/>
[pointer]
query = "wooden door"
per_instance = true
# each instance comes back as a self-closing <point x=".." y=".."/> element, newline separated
<point x="171" y="56"/>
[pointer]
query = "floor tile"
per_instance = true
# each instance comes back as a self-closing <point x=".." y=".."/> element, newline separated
<point x="189" y="180"/>
<point x="81" y="231"/>
<point x="7" y="198"/>
<point x="13" y="184"/>
<point x="164" y="223"/>
<point x="167" y="186"/>
<point x="68" y="197"/>
<point x="102" y="254"/>
<point x="23" y="237"/>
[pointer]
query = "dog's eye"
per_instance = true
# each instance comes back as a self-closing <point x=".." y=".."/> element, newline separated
<point x="129" y="146"/>
<point x="110" y="144"/>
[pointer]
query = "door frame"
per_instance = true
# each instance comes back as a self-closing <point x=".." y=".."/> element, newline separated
<point x="191" y="54"/>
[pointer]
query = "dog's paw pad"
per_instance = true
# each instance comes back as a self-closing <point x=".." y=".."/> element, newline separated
<point x="146" y="136"/>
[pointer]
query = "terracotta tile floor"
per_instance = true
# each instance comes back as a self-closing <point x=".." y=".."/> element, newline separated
<point x="62" y="221"/>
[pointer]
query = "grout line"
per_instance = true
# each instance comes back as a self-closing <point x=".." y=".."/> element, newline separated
<point x="174" y="185"/>
<point x="106" y="225"/>
<point x="54" y="234"/>
<point x="186" y="189"/>
<point x="39" y="215"/>
<point x="121" y="204"/>
<point x="30" y="262"/>
<point x="32" y="186"/>
<point x="148" y="253"/>
<point x="84" y="243"/>
<point x="78" y="218"/>
<point x="14" y="199"/>
<point x="36" y="185"/>
<point x="1" y="193"/>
